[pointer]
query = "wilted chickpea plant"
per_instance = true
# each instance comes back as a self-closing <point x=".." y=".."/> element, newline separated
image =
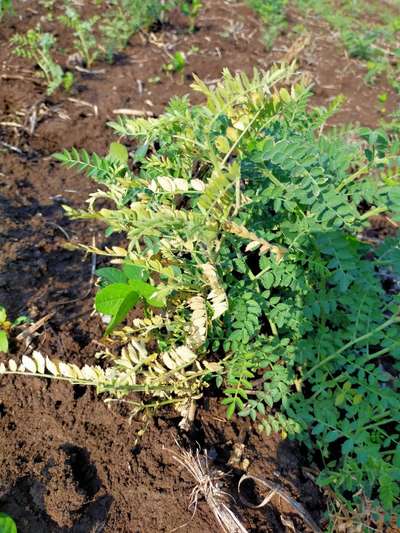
<point x="246" y="255"/>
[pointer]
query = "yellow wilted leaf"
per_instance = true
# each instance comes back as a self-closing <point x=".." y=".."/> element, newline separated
<point x="256" y="98"/>
<point x="166" y="183"/>
<point x="232" y="134"/>
<point x="240" y="125"/>
<point x="40" y="362"/>
<point x="66" y="370"/>
<point x="358" y="398"/>
<point x="252" y="246"/>
<point x="197" y="185"/>
<point x="213" y="367"/>
<point x="89" y="373"/>
<point x="119" y="251"/>
<point x="51" y="367"/>
<point x="168" y="361"/>
<point x="222" y="144"/>
<point x="185" y="353"/>
<point x="29" y="364"/>
<point x="284" y="94"/>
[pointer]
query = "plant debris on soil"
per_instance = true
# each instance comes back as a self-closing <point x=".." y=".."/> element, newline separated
<point x="68" y="461"/>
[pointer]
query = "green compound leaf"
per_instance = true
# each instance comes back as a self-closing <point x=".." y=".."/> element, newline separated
<point x="388" y="491"/>
<point x="7" y="524"/>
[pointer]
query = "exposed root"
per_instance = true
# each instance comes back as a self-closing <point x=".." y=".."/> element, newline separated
<point x="209" y="483"/>
<point x="276" y="490"/>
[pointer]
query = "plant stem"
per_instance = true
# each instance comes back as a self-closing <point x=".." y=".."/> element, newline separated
<point x="386" y="324"/>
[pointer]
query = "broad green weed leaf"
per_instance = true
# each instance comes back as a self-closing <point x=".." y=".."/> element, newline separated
<point x="7" y="524"/>
<point x="3" y="314"/>
<point x="116" y="300"/>
<point x="142" y="288"/>
<point x="118" y="152"/>
<point x="135" y="272"/>
<point x="3" y="341"/>
<point x="112" y="275"/>
<point x="21" y="320"/>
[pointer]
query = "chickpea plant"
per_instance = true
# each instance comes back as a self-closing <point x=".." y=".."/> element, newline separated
<point x="38" y="45"/>
<point x="192" y="8"/>
<point x="244" y="225"/>
<point x="84" y="38"/>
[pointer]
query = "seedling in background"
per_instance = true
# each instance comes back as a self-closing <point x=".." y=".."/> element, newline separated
<point x="85" y="40"/>
<point x="273" y="15"/>
<point x="177" y="63"/>
<point x="191" y="9"/>
<point x="116" y="31"/>
<point x="374" y="42"/>
<point x="7" y="524"/>
<point x="37" y="45"/>
<point x="5" y="327"/>
<point x="126" y="18"/>
<point x="49" y="6"/>
<point x="5" y="7"/>
<point x="154" y="80"/>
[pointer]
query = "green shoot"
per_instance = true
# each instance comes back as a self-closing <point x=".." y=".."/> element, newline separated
<point x="191" y="8"/>
<point x="6" y="6"/>
<point x="37" y="45"/>
<point x="6" y="326"/>
<point x="176" y="64"/>
<point x="85" y="40"/>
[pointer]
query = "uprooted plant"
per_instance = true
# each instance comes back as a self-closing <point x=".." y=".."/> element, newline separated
<point x="247" y="252"/>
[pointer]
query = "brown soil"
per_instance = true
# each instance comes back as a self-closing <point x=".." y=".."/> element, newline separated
<point x="67" y="461"/>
